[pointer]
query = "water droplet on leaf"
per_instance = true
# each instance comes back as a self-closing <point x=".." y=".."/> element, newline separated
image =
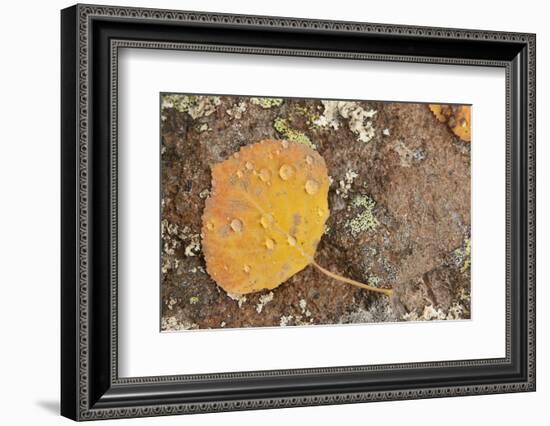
<point x="264" y="175"/>
<point x="311" y="186"/>
<point x="236" y="225"/>
<point x="266" y="220"/>
<point x="269" y="243"/>
<point x="286" y="172"/>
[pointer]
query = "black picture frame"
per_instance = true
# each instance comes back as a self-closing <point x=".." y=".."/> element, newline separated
<point x="90" y="386"/>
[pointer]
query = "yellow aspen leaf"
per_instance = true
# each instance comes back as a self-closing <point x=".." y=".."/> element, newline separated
<point x="438" y="112"/>
<point x="265" y="216"/>
<point x="457" y="118"/>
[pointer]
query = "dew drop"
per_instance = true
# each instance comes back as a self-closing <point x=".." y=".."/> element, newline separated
<point x="320" y="212"/>
<point x="284" y="144"/>
<point x="269" y="243"/>
<point x="210" y="226"/>
<point x="311" y="187"/>
<point x="246" y="269"/>
<point x="291" y="240"/>
<point x="249" y="165"/>
<point x="236" y="155"/>
<point x="309" y="160"/>
<point x="236" y="225"/>
<point x="239" y="174"/>
<point x="286" y="172"/>
<point x="264" y="175"/>
<point x="266" y="220"/>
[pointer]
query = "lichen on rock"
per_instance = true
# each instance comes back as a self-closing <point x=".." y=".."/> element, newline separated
<point x="282" y="127"/>
<point x="237" y="110"/>
<point x="413" y="237"/>
<point x="463" y="255"/>
<point x="194" y="105"/>
<point x="359" y="119"/>
<point x="267" y="103"/>
<point x="365" y="220"/>
<point x="345" y="184"/>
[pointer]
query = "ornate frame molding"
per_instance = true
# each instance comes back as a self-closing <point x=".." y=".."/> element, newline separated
<point x="86" y="404"/>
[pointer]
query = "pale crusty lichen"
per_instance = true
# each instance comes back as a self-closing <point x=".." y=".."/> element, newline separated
<point x="408" y="156"/>
<point x="365" y="220"/>
<point x="171" y="302"/>
<point x="172" y="237"/>
<point x="456" y="312"/>
<point x="282" y="127"/>
<point x="379" y="310"/>
<point x="374" y="281"/>
<point x="359" y="119"/>
<point x="267" y="103"/>
<point x="194" y="245"/>
<point x="344" y="185"/>
<point x="303" y="307"/>
<point x="237" y="110"/>
<point x="285" y="320"/>
<point x="180" y="103"/>
<point x="205" y="193"/>
<point x="239" y="298"/>
<point x="430" y="313"/>
<point x="172" y="323"/>
<point x="264" y="300"/>
<point x="195" y="106"/>
<point x="170" y="242"/>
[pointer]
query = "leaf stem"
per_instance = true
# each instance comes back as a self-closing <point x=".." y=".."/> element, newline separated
<point x="387" y="291"/>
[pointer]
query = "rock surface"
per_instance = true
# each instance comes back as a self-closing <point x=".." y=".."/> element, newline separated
<point x="399" y="212"/>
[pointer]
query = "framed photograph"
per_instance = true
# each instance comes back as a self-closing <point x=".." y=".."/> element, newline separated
<point x="263" y="212"/>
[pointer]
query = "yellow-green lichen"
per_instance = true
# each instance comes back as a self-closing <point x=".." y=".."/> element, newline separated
<point x="195" y="106"/>
<point x="463" y="255"/>
<point x="180" y="103"/>
<point x="267" y="103"/>
<point x="365" y="220"/>
<point x="310" y="115"/>
<point x="193" y="300"/>
<point x="282" y="127"/>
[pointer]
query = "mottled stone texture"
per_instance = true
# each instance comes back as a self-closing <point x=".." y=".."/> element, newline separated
<point x="400" y="213"/>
